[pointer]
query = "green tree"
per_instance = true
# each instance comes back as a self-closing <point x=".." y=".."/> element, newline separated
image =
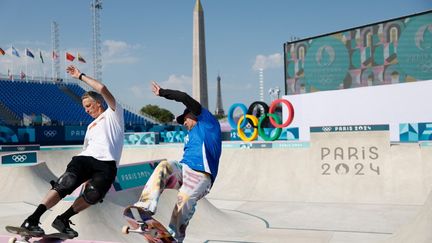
<point x="220" y="117"/>
<point x="163" y="115"/>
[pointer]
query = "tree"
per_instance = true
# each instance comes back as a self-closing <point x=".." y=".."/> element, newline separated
<point x="163" y="115"/>
<point x="219" y="117"/>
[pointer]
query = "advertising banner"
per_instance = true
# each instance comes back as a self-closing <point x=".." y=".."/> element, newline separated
<point x="18" y="159"/>
<point x="173" y="136"/>
<point x="50" y="135"/>
<point x="75" y="133"/>
<point x="134" y="175"/>
<point x="353" y="151"/>
<point x="389" y="52"/>
<point x="414" y="132"/>
<point x="10" y="148"/>
<point x="141" y="138"/>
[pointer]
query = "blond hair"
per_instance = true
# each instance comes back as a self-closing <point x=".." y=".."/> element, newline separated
<point x="93" y="95"/>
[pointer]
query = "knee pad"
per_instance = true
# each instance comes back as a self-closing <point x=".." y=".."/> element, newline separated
<point x="91" y="194"/>
<point x="65" y="184"/>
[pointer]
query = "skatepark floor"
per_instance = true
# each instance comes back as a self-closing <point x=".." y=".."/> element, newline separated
<point x="278" y="221"/>
<point x="250" y="202"/>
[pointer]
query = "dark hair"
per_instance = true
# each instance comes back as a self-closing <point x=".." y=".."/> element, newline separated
<point x="180" y="119"/>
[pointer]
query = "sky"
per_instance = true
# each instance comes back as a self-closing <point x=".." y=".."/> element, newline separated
<point x="145" y="40"/>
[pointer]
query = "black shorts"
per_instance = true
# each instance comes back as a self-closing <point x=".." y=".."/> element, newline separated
<point x="100" y="173"/>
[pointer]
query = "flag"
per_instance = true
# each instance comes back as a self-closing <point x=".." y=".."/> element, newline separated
<point x="45" y="119"/>
<point x="55" y="55"/>
<point x="2" y="52"/>
<point x="40" y="55"/>
<point x="81" y="59"/>
<point x="15" y="52"/>
<point x="69" y="57"/>
<point x="27" y="120"/>
<point x="29" y="53"/>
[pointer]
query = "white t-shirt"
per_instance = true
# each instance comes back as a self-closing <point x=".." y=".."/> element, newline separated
<point x="105" y="135"/>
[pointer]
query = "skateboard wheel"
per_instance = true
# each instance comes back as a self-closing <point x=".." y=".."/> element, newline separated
<point x="12" y="240"/>
<point x="125" y="229"/>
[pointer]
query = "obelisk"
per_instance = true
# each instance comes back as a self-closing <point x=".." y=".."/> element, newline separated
<point x="199" y="66"/>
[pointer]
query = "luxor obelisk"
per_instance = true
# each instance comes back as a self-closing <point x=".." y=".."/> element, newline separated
<point x="199" y="66"/>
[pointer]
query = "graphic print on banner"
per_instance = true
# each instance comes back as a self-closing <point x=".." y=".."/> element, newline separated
<point x="19" y="159"/>
<point x="134" y="175"/>
<point x="356" y="150"/>
<point x="390" y="52"/>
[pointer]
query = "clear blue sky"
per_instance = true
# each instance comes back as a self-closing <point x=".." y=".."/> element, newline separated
<point x="146" y="40"/>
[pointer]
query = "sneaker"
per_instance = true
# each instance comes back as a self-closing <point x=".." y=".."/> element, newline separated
<point x="143" y="206"/>
<point x="33" y="227"/>
<point x="63" y="225"/>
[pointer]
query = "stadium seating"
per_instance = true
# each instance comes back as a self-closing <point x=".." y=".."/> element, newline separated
<point x="130" y="117"/>
<point x="50" y="99"/>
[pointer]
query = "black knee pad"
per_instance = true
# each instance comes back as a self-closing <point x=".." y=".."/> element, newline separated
<point x="65" y="184"/>
<point x="91" y="194"/>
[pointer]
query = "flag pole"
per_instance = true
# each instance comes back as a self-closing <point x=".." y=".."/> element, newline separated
<point x="64" y="66"/>
<point x="26" y="57"/>
<point x="52" y="64"/>
<point x="12" y="64"/>
<point x="40" y="73"/>
<point x="12" y="79"/>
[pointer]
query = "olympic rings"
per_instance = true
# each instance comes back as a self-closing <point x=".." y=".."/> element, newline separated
<point x="290" y="113"/>
<point x="50" y="133"/>
<point x="261" y="131"/>
<point x="258" y="108"/>
<point x="258" y="126"/>
<point x="255" y="131"/>
<point x="19" y="158"/>
<point x="231" y="114"/>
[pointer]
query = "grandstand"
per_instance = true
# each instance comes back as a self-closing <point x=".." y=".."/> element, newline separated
<point x="52" y="103"/>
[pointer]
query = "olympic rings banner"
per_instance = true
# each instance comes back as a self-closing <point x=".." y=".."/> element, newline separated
<point x="256" y="116"/>
<point x="19" y="159"/>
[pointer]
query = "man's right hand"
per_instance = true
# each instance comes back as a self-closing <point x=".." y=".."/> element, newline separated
<point x="73" y="71"/>
<point x="155" y="88"/>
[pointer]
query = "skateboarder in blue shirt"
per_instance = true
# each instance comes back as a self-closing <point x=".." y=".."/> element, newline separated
<point x="196" y="172"/>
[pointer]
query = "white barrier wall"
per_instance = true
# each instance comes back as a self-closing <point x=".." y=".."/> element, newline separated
<point x="384" y="104"/>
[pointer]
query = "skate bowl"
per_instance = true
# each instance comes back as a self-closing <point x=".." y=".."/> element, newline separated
<point x="263" y="193"/>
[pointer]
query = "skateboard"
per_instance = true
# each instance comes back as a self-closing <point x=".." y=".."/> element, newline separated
<point x="26" y="236"/>
<point x="141" y="222"/>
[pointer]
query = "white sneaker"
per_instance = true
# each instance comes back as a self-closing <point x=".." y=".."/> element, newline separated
<point x="140" y="204"/>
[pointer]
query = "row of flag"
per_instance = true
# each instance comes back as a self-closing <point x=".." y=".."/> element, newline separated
<point x="55" y="55"/>
<point x="71" y="57"/>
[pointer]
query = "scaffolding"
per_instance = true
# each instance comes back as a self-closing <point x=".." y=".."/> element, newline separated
<point x="55" y="36"/>
<point x="96" y="7"/>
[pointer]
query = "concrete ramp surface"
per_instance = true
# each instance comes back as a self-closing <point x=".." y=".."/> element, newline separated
<point x="419" y="229"/>
<point x="279" y="194"/>
<point x="25" y="183"/>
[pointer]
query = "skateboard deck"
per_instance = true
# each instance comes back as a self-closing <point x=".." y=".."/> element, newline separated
<point x="143" y="223"/>
<point x="26" y="236"/>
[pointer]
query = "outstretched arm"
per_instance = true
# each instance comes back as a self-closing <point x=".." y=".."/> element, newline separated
<point x="96" y="85"/>
<point x="193" y="105"/>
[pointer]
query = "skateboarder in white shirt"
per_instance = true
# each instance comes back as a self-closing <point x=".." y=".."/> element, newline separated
<point x="96" y="164"/>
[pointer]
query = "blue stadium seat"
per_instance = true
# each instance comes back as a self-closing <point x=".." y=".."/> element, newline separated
<point x="47" y="98"/>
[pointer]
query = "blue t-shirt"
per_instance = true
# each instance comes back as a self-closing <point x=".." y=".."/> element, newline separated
<point x="203" y="146"/>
